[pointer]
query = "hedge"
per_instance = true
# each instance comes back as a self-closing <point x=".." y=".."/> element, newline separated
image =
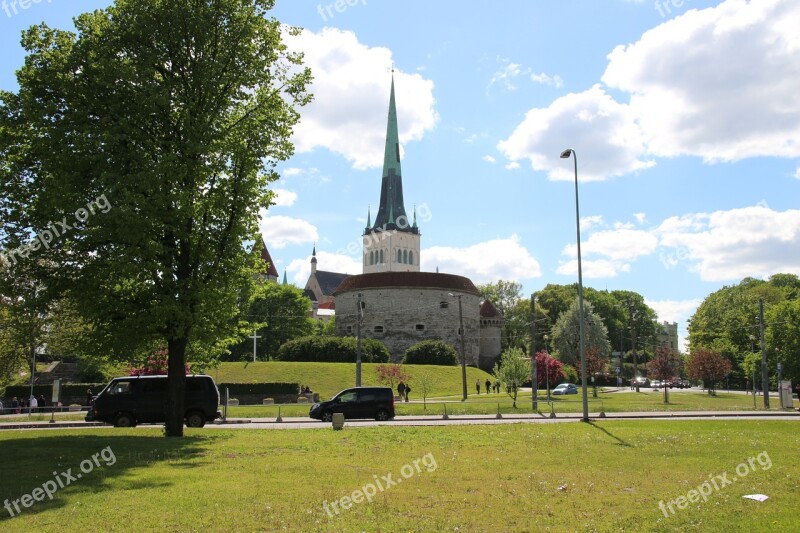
<point x="431" y="352"/>
<point x="332" y="350"/>
<point x="67" y="389"/>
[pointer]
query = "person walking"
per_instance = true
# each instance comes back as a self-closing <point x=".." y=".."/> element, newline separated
<point x="797" y="388"/>
<point x="89" y="397"/>
<point x="408" y="389"/>
<point x="401" y="390"/>
<point x="488" y="386"/>
<point x="478" y="385"/>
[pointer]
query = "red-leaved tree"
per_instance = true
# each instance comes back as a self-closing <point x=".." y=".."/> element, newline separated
<point x="390" y="374"/>
<point x="548" y="370"/>
<point x="595" y="364"/>
<point x="156" y="365"/>
<point x="708" y="366"/>
<point x="663" y="367"/>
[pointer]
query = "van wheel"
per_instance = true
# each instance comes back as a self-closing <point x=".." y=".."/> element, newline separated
<point x="124" y="420"/>
<point x="383" y="414"/>
<point x="195" y="420"/>
<point x="327" y="416"/>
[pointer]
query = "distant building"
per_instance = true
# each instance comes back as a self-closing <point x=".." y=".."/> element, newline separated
<point x="319" y="289"/>
<point x="668" y="337"/>
<point x="268" y="271"/>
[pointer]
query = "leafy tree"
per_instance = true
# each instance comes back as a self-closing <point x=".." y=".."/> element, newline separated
<point x="566" y="334"/>
<point x="278" y="313"/>
<point x="595" y="364"/>
<point x="512" y="370"/>
<point x="390" y="374"/>
<point x="549" y="371"/>
<point x="664" y="367"/>
<point x="175" y="117"/>
<point x="431" y="352"/>
<point x="424" y="381"/>
<point x="708" y="366"/>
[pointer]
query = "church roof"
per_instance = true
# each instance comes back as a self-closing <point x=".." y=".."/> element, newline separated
<point x="429" y="280"/>
<point x="391" y="211"/>
<point x="308" y="293"/>
<point x="488" y="310"/>
<point x="269" y="268"/>
<point x="328" y="281"/>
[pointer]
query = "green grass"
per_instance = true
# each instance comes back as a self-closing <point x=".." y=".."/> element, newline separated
<point x="606" y="476"/>
<point x="330" y="378"/>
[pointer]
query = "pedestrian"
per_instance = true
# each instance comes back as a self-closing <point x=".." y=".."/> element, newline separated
<point x="478" y="385"/>
<point x="797" y="388"/>
<point x="42" y="401"/>
<point x="15" y="405"/>
<point x="33" y="403"/>
<point x="488" y="386"/>
<point x="497" y="386"/>
<point x="89" y="397"/>
<point x="408" y="389"/>
<point x="401" y="390"/>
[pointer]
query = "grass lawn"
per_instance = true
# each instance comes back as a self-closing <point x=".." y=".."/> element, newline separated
<point x="609" y="475"/>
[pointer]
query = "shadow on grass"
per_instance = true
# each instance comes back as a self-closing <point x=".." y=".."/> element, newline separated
<point x="68" y="465"/>
<point x="620" y="442"/>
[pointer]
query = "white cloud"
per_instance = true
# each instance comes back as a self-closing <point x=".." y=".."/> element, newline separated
<point x="718" y="83"/>
<point x="593" y="268"/>
<point x="505" y="75"/>
<point x="483" y="262"/>
<point x="284" y="198"/>
<point x="351" y="98"/>
<point x="278" y="231"/>
<point x="640" y="217"/>
<point x="603" y="133"/>
<point x="674" y="310"/>
<point x="591" y="221"/>
<point x="300" y="269"/>
<point x="546" y="79"/>
<point x="512" y="165"/>
<point x="292" y="171"/>
<point x="730" y="245"/>
<point x="489" y="159"/>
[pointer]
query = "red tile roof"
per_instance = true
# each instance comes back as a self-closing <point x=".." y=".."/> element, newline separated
<point x="429" y="280"/>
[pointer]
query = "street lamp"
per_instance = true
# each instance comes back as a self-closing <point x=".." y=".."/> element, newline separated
<point x="463" y="353"/>
<point x="565" y="155"/>
<point x="360" y="306"/>
<point x="752" y="349"/>
<point x="545" y="338"/>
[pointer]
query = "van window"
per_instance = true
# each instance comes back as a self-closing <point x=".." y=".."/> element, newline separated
<point x="368" y="396"/>
<point x="197" y="384"/>
<point x="153" y="386"/>
<point x="348" y="397"/>
<point x="121" y="387"/>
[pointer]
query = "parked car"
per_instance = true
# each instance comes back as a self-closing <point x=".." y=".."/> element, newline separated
<point x="131" y="400"/>
<point x="359" y="402"/>
<point x="565" y="388"/>
<point x="655" y="384"/>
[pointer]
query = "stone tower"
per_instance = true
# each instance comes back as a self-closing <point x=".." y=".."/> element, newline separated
<point x="392" y="244"/>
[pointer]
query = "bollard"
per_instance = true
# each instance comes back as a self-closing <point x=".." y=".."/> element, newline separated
<point x="445" y="417"/>
<point x="337" y="421"/>
<point x="498" y="411"/>
<point x="279" y="419"/>
<point x="552" y="413"/>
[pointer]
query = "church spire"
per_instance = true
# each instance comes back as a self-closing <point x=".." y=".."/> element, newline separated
<point x="391" y="211"/>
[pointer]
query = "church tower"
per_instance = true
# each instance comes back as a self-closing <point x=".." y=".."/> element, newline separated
<point x="391" y="244"/>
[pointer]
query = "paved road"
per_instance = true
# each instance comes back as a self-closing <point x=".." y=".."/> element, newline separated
<point x="306" y="423"/>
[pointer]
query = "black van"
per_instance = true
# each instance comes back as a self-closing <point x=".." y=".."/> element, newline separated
<point x="131" y="400"/>
<point x="359" y="402"/>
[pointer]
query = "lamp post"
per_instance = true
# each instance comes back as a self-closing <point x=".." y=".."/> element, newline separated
<point x="534" y="377"/>
<point x="463" y="353"/>
<point x="565" y="155"/>
<point x="545" y="337"/>
<point x="752" y="349"/>
<point x="780" y="368"/>
<point x="360" y="305"/>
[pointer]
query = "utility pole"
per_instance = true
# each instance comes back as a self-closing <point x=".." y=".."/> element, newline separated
<point x="764" y="371"/>
<point x="463" y="353"/>
<point x="633" y="348"/>
<point x="359" y="318"/>
<point x="534" y="377"/>
<point x="255" y="338"/>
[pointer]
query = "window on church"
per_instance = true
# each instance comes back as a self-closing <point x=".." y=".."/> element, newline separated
<point x="378" y="329"/>
<point x="405" y="256"/>
<point x="444" y="305"/>
<point x="349" y="329"/>
<point x="410" y="258"/>
<point x="381" y="258"/>
<point x="399" y="256"/>
<point x="371" y="257"/>
<point x="420" y="327"/>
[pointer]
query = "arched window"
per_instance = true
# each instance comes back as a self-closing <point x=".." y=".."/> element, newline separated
<point x="399" y="256"/>
<point x="405" y="256"/>
<point x="410" y="258"/>
<point x="371" y="258"/>
<point x="381" y="258"/>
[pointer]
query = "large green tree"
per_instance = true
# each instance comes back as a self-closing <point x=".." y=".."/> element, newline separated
<point x="566" y="334"/>
<point x="507" y="298"/>
<point x="151" y="133"/>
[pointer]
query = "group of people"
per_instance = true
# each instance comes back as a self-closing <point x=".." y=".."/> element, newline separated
<point x="17" y="404"/>
<point x="495" y="387"/>
<point x="305" y="389"/>
<point x="403" y="390"/>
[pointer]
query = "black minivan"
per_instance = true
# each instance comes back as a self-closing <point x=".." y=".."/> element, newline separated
<point x="131" y="400"/>
<point x="359" y="402"/>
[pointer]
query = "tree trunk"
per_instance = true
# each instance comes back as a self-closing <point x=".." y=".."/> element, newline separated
<point x="176" y="385"/>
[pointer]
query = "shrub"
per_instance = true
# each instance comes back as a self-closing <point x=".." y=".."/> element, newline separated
<point x="431" y="352"/>
<point x="332" y="350"/>
<point x="570" y="374"/>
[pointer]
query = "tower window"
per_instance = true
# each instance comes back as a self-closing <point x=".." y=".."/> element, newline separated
<point x="381" y="258"/>
<point x="399" y="256"/>
<point x="349" y="329"/>
<point x="405" y="256"/>
<point x="444" y="305"/>
<point x="410" y="258"/>
<point x="378" y="329"/>
<point x="420" y="327"/>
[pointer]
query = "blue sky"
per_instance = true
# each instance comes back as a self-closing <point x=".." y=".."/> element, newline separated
<point x="685" y="117"/>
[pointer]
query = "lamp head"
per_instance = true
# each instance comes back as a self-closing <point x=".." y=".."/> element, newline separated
<point x="566" y="153"/>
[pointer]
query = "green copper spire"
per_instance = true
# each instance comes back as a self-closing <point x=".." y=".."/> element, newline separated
<point x="391" y="211"/>
<point x="285" y="282"/>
